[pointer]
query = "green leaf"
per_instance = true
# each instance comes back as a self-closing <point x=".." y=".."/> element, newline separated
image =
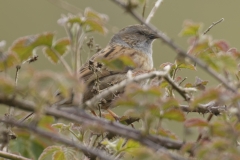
<point x="166" y="133"/>
<point x="174" y="114"/>
<point x="169" y="103"/>
<point x="61" y="126"/>
<point x="36" y="148"/>
<point x="190" y="29"/>
<point x="8" y="60"/>
<point x="211" y="60"/>
<point x="120" y="63"/>
<point x="60" y="47"/>
<point x="227" y="62"/>
<point x="126" y="102"/>
<point x="200" y="45"/>
<point x="220" y="129"/>
<point x="188" y="85"/>
<point x="47" y="152"/>
<point x="94" y="21"/>
<point x="200" y="84"/>
<point x="46" y="122"/>
<point x="75" y="19"/>
<point x="184" y="64"/>
<point x="25" y="46"/>
<point x="59" y="155"/>
<point x="195" y="122"/>
<point x="206" y="97"/>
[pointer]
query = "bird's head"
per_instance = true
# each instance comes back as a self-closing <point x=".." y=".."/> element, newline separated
<point x="137" y="36"/>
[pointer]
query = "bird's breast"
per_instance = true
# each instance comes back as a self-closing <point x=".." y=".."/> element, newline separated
<point x="142" y="60"/>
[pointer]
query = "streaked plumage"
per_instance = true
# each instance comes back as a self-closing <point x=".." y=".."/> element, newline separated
<point x="134" y="41"/>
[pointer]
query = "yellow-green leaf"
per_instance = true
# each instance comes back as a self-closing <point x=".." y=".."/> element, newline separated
<point x="60" y="48"/>
<point x="24" y="46"/>
<point x="174" y="114"/>
<point x="190" y="29"/>
<point x="8" y="60"/>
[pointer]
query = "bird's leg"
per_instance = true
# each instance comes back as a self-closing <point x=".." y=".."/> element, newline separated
<point x="114" y="115"/>
<point x="99" y="109"/>
<point x="92" y="111"/>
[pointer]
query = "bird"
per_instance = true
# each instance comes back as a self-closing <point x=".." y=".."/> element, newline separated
<point x="135" y="42"/>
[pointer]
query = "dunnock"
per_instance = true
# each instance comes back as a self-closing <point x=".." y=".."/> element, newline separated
<point x="134" y="41"/>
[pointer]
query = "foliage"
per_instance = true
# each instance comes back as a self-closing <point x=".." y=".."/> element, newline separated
<point x="147" y="108"/>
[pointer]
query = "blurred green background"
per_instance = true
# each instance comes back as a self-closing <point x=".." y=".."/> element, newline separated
<point x="24" y="17"/>
<point x="27" y="17"/>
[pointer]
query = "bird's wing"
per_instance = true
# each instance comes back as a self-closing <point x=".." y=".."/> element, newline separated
<point x="109" y="53"/>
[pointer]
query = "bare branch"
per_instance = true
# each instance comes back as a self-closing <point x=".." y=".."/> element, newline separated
<point x="179" y="50"/>
<point x="211" y="107"/>
<point x="12" y="156"/>
<point x="153" y="11"/>
<point x="80" y="116"/>
<point x="84" y="149"/>
<point x="213" y="24"/>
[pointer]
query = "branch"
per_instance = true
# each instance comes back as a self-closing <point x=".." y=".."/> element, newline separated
<point x="49" y="135"/>
<point x="153" y="11"/>
<point x="90" y="103"/>
<point x="213" y="24"/>
<point x="179" y="89"/>
<point x="211" y="107"/>
<point x="80" y="116"/>
<point x="175" y="47"/>
<point x="12" y="156"/>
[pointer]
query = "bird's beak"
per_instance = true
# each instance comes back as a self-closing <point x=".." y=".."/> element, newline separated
<point x="154" y="36"/>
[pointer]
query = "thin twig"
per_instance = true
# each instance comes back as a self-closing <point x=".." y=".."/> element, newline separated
<point x="12" y="156"/>
<point x="18" y="67"/>
<point x="201" y="133"/>
<point x="65" y="64"/>
<point x="179" y="50"/>
<point x="144" y="8"/>
<point x="213" y="24"/>
<point x="153" y="11"/>
<point x="179" y="89"/>
<point x="87" y="150"/>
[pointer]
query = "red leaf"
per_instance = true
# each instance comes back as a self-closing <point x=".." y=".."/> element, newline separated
<point x="195" y="122"/>
<point x="221" y="45"/>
